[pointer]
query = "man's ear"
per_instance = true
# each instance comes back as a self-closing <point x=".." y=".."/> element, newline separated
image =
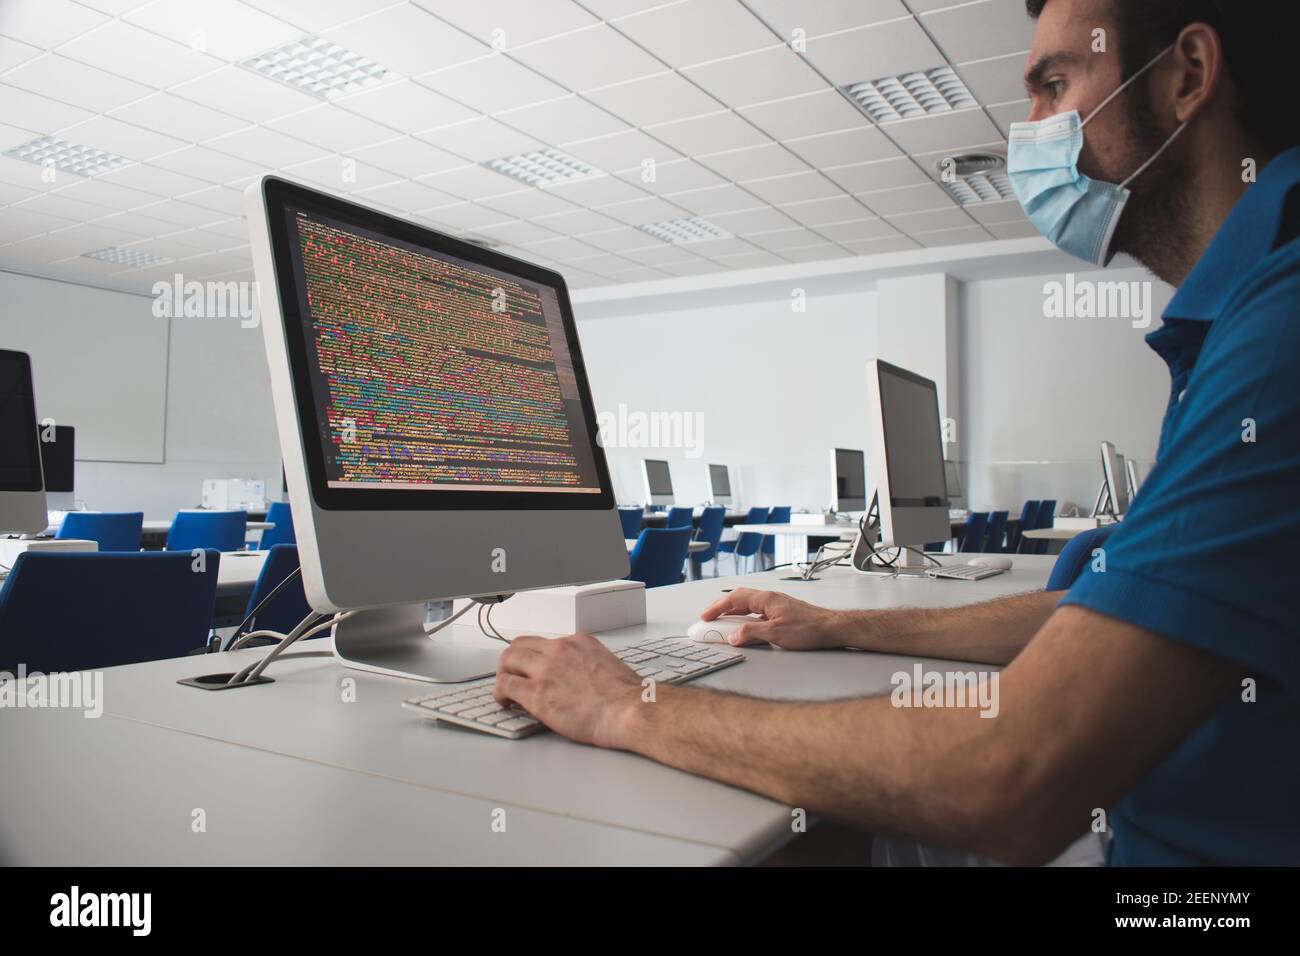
<point x="1197" y="74"/>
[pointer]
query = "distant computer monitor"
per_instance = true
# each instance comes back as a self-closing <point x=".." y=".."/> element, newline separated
<point x="719" y="485"/>
<point x="848" y="480"/>
<point x="1115" y="474"/>
<point x="432" y="403"/>
<point x="22" y="495"/>
<point x="1133" y="482"/>
<point x="57" y="458"/>
<point x="952" y="479"/>
<point x="658" y="482"/>
<point x="907" y="450"/>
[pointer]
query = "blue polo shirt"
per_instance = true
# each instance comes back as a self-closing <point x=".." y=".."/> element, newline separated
<point x="1207" y="552"/>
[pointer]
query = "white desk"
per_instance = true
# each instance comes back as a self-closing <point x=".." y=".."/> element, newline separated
<point x="791" y="545"/>
<point x="1054" y="534"/>
<point x="291" y="767"/>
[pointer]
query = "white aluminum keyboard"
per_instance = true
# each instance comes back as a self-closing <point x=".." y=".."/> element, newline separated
<point x="668" y="660"/>
<point x="964" y="572"/>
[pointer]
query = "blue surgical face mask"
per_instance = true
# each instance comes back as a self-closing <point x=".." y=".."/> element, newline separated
<point x="1076" y="213"/>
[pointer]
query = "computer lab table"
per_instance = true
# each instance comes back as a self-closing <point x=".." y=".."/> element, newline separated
<point x="324" y="766"/>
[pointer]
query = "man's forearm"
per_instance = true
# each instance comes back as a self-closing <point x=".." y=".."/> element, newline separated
<point x="990" y="633"/>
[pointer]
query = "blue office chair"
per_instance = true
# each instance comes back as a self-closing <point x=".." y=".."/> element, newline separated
<point x="710" y="532"/>
<point x="113" y="530"/>
<point x="290" y="605"/>
<point x="1074" y="557"/>
<point x="778" y="515"/>
<point x="745" y="545"/>
<point x="218" y="530"/>
<point x="1028" y="521"/>
<point x="658" y="556"/>
<point x="82" y="610"/>
<point x="680" y="518"/>
<point x="972" y="539"/>
<point x="281" y="516"/>
<point x="1046" y="519"/>
<point x="631" y="521"/>
<point x="997" y="529"/>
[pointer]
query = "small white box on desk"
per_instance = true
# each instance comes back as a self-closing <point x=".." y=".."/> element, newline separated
<point x="10" y="548"/>
<point x="1080" y="524"/>
<point x="585" y="607"/>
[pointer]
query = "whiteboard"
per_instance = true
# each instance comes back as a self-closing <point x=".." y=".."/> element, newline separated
<point x="99" y="362"/>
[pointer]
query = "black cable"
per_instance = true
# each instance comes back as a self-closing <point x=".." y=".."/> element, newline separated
<point x="261" y="605"/>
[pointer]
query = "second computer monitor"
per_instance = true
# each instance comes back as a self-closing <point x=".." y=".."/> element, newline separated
<point x="952" y="479"/>
<point x="658" y="482"/>
<point x="719" y="485"/>
<point x="907" y="449"/>
<point x="22" y="495"/>
<point x="58" y="454"/>
<point x="848" y="480"/>
<point x="1117" y="478"/>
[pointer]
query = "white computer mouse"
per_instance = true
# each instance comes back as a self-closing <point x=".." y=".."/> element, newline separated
<point x="995" y="561"/>
<point x="719" y="631"/>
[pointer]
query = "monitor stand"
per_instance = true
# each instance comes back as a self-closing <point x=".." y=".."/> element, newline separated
<point x="392" y="640"/>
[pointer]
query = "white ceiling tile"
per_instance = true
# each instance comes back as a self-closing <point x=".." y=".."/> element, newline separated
<point x="843" y="148"/>
<point x="869" y="53"/>
<point x="817" y="212"/>
<point x="40" y="114"/>
<point x="576" y="223"/>
<point x="331" y="127"/>
<point x="916" y="222"/>
<point x="1007" y="113"/>
<point x="28" y="250"/>
<point x="108" y="194"/>
<point x="892" y="202"/>
<point x="407" y="39"/>
<point x="27" y="175"/>
<point x="595" y="56"/>
<point x="48" y="23"/>
<point x="153" y="179"/>
<point x="786" y="239"/>
<point x="221" y="198"/>
<point x="13" y="52"/>
<point x="675" y="176"/>
<point x="881" y="174"/>
<point x="560" y="247"/>
<point x="168" y="247"/>
<point x="747" y="221"/>
<point x="697" y="30"/>
<point x="693" y="268"/>
<point x="341" y="173"/>
<point x="622" y="151"/>
<point x="71" y="82"/>
<point x="473" y="182"/>
<point x="236" y="229"/>
<point x="857" y="230"/>
<point x="612" y="9"/>
<point x="717" y="199"/>
<point x="770" y="74"/>
<point x="1013" y="230"/>
<point x="209" y="165"/>
<point x="793" y="188"/>
<point x="945" y="131"/>
<point x="11" y="136"/>
<point x="713" y="133"/>
<point x="480" y="140"/>
<point x="623" y="239"/>
<point x="755" y="162"/>
<point x="998" y="80"/>
<point x="10" y="193"/>
<point x="506" y="24"/>
<point x="824" y="16"/>
<point x="314" y="16"/>
<point x="636" y="274"/>
<point x="180" y="118"/>
<point x="825" y="111"/>
<point x="531" y="204"/>
<point x="223" y="28"/>
<point x="465" y="216"/>
<point x="598" y="191"/>
<point x="875" y="247"/>
<point x="713" y="248"/>
<point x="655" y="99"/>
<point x="181" y="213"/>
<point x="563" y="120"/>
<point x="18" y="223"/>
<point x="265" y="147"/>
<point x="405" y="106"/>
<point x="139" y="55"/>
<point x="124" y="139"/>
<point x="997" y="213"/>
<point x="238" y="92"/>
<point x="491" y="84"/>
<point x="820" y="252"/>
<point x="406" y="196"/>
<point x="660" y="255"/>
<point x="975" y="31"/>
<point x="952" y="237"/>
<point x="514" y="232"/>
<point x="751" y="260"/>
<point x="640" y="211"/>
<point x="408" y="156"/>
<point x="63" y="207"/>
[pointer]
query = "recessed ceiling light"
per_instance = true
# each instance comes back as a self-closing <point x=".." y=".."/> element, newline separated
<point x="683" y="231"/>
<point x="319" y="67"/>
<point x="69" y="157"/>
<point x="544" y="167"/>
<point x="927" y="93"/>
<point x="973" y="178"/>
<point x="125" y="256"/>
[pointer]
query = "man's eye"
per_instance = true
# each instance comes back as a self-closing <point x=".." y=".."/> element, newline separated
<point x="1056" y="88"/>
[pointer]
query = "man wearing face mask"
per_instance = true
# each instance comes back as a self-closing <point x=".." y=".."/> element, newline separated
<point x="1165" y="690"/>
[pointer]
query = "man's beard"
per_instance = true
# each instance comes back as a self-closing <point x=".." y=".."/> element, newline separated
<point x="1155" y="226"/>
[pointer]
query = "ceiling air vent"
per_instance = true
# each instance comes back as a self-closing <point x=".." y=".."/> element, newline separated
<point x="319" y="67"/>
<point x="67" y="157"/>
<point x="683" y="231"/>
<point x="927" y="93"/>
<point x="973" y="178"/>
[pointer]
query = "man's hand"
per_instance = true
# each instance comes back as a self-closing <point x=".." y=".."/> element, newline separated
<point x="787" y="622"/>
<point x="573" y="685"/>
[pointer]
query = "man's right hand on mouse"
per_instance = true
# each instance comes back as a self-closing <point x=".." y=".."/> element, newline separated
<point x="787" y="622"/>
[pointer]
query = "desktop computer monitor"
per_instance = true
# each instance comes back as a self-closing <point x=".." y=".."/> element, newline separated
<point x="658" y="482"/>
<point x="57" y="459"/>
<point x="1133" y="482"/>
<point x="22" y="491"/>
<point x="1116" y="477"/>
<point x="952" y="479"/>
<point x="435" y="422"/>
<point x="848" y="480"/>
<point x="907" y="457"/>
<point x="719" y="485"/>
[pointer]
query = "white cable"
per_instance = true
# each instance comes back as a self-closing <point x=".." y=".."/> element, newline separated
<point x="289" y="639"/>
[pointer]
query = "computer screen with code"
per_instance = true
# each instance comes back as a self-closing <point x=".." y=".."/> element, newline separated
<point x="432" y="372"/>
